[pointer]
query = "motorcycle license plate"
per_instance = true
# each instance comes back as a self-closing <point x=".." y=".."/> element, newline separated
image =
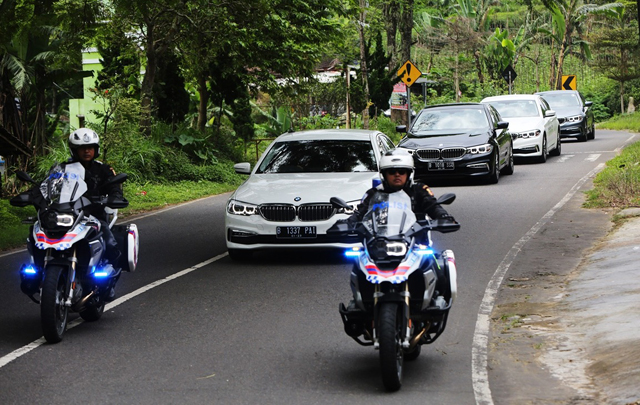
<point x="441" y="165"/>
<point x="295" y="232"/>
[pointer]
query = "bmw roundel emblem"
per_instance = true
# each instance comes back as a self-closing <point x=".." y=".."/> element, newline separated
<point x="297" y="199"/>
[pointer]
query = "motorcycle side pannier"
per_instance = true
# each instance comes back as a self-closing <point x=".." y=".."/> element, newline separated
<point x="128" y="242"/>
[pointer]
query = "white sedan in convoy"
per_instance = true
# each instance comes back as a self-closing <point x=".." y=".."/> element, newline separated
<point x="285" y="200"/>
<point x="533" y="123"/>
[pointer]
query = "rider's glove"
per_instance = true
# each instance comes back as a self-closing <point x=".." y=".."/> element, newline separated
<point x="447" y="217"/>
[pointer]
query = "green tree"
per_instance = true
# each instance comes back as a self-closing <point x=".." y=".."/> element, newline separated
<point x="617" y="54"/>
<point x="39" y="48"/>
<point x="568" y="18"/>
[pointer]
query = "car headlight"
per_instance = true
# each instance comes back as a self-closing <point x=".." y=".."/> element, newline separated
<point x="575" y="118"/>
<point x="529" y="134"/>
<point x="480" y="149"/>
<point x="236" y="207"/>
<point x="349" y="211"/>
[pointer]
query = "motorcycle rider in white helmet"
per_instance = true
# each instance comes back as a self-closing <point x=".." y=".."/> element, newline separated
<point x="396" y="173"/>
<point x="84" y="145"/>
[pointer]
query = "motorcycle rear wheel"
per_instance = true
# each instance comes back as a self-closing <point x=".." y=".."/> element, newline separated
<point x="391" y="353"/>
<point x="53" y="312"/>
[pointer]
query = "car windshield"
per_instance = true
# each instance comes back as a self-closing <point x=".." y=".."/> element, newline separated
<point x="516" y="108"/>
<point x="319" y="156"/>
<point x="558" y="100"/>
<point x="450" y="119"/>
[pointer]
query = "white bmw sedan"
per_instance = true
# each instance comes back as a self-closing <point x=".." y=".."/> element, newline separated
<point x="285" y="200"/>
<point x="533" y="124"/>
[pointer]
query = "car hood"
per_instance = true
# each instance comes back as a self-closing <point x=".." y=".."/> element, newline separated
<point x="445" y="139"/>
<point x="524" y="123"/>
<point x="307" y="187"/>
<point x="568" y="111"/>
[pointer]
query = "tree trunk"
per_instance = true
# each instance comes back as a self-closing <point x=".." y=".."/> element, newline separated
<point x="456" y="78"/>
<point x="146" y="88"/>
<point x="204" y="101"/>
<point x="363" y="63"/>
<point x="406" y="28"/>
<point x="391" y="15"/>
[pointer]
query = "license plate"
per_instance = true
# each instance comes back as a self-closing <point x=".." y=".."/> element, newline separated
<point x="441" y="165"/>
<point x="295" y="232"/>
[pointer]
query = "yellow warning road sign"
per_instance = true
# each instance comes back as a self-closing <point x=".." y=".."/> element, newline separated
<point x="409" y="73"/>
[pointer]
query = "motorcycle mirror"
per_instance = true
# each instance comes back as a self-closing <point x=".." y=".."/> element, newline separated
<point x="447" y="198"/>
<point x="24" y="177"/>
<point x="117" y="179"/>
<point x="338" y="202"/>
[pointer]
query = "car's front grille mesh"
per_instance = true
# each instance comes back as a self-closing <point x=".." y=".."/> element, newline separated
<point x="288" y="213"/>
<point x="315" y="212"/>
<point x="278" y="212"/>
<point x="428" y="153"/>
<point x="446" y="153"/>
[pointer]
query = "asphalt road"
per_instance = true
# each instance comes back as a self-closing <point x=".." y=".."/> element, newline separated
<point x="192" y="326"/>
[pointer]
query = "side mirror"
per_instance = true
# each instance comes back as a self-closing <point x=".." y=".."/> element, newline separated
<point x="242" y="168"/>
<point x="561" y="120"/>
<point x="549" y="113"/>
<point x="588" y="103"/>
<point x="447" y="198"/>
<point x="503" y="124"/>
<point x="117" y="179"/>
<point x="338" y="202"/>
<point x="24" y="177"/>
<point x="401" y="129"/>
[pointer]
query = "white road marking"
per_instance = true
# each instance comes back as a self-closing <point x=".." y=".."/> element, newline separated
<point x="564" y="158"/>
<point x="4" y="360"/>
<point x="593" y="157"/>
<point x="479" y="350"/>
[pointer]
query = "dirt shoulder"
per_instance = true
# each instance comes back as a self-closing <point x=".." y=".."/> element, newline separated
<point x="564" y="327"/>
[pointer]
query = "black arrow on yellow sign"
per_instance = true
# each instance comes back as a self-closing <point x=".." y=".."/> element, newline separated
<point x="568" y="82"/>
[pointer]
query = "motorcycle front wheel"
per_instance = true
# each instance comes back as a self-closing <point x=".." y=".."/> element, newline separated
<point x="53" y="312"/>
<point x="391" y="354"/>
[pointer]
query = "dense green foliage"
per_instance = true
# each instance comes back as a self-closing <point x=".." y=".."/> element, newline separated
<point x="618" y="185"/>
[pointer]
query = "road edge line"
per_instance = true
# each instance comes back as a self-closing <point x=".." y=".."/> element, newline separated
<point x="479" y="348"/>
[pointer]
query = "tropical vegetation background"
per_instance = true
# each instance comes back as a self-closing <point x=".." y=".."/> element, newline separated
<point x="190" y="86"/>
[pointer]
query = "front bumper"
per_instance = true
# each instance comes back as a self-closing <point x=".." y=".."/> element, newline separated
<point x="467" y="166"/>
<point x="568" y="130"/>
<point x="254" y="232"/>
<point x="527" y="147"/>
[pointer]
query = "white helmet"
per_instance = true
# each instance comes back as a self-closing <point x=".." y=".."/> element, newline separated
<point x="397" y="159"/>
<point x="83" y="137"/>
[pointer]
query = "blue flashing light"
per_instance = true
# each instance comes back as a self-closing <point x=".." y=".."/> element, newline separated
<point x="102" y="272"/>
<point x="355" y="252"/>
<point x="29" y="270"/>
<point x="425" y="251"/>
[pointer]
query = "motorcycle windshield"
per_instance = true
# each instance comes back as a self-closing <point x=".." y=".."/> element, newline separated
<point x="389" y="214"/>
<point x="65" y="183"/>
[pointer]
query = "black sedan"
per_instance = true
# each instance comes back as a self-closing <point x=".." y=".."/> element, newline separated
<point x="459" y="140"/>
<point x="574" y="113"/>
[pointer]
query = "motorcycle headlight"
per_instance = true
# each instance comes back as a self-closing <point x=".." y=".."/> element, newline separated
<point x="236" y="207"/>
<point x="52" y="219"/>
<point x="480" y="149"/>
<point x="396" y="249"/>
<point x="382" y="249"/>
